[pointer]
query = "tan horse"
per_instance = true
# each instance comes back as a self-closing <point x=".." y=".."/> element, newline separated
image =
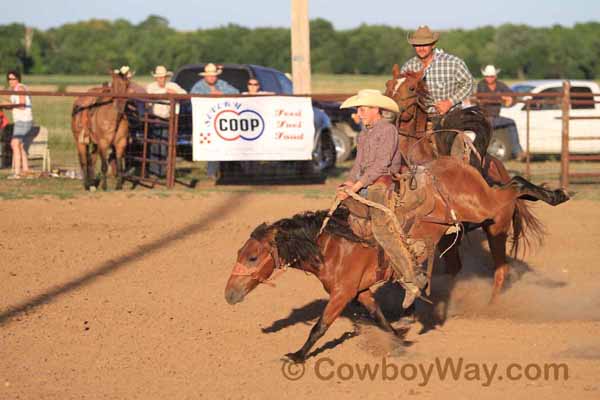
<point x="100" y="120"/>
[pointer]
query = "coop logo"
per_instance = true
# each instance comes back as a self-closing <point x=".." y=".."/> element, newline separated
<point x="232" y="125"/>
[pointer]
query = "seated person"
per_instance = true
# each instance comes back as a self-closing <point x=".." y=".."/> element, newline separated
<point x="491" y="106"/>
<point x="254" y="87"/>
<point x="378" y="157"/>
<point x="211" y="84"/>
<point x="162" y="86"/>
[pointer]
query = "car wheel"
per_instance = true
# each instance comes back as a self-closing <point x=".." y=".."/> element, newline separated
<point x="328" y="150"/>
<point x="342" y="142"/>
<point x="500" y="145"/>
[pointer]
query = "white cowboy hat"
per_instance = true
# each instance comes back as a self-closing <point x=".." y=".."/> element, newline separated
<point x="372" y="98"/>
<point x="490" y="70"/>
<point x="161" y="71"/>
<point x="125" y="71"/>
<point x="423" y="36"/>
<point x="210" y="69"/>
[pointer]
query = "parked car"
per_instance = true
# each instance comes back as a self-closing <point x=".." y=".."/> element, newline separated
<point x="271" y="80"/>
<point x="344" y="129"/>
<point x="545" y="132"/>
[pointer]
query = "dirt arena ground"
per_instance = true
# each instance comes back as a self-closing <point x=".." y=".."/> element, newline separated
<point x="120" y="296"/>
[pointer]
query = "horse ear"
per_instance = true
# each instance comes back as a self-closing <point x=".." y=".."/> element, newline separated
<point x="395" y="71"/>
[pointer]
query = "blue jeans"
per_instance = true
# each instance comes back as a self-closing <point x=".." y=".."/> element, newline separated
<point x="511" y="128"/>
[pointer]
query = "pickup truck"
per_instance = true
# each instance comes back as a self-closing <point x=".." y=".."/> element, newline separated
<point x="271" y="80"/>
<point x="545" y="125"/>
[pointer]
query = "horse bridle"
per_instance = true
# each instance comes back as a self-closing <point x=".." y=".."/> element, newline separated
<point x="241" y="269"/>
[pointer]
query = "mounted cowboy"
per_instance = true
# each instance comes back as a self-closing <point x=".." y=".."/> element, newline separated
<point x="378" y="157"/>
<point x="448" y="78"/>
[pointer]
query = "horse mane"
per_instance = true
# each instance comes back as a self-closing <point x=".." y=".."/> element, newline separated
<point x="296" y="237"/>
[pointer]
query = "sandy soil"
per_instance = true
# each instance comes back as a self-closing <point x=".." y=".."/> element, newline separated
<point x="121" y="297"/>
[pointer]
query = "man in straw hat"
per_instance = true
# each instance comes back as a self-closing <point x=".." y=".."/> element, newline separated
<point x="378" y="157"/>
<point x="448" y="79"/>
<point x="211" y="84"/>
<point x="492" y="105"/>
<point x="162" y="86"/>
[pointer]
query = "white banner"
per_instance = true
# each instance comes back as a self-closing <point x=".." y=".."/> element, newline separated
<point x="252" y="128"/>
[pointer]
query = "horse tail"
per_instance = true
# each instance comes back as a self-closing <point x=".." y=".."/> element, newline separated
<point x="527" y="230"/>
<point x="468" y="119"/>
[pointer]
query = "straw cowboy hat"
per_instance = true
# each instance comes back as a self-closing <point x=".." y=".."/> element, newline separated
<point x="423" y="36"/>
<point x="372" y="98"/>
<point x="490" y="70"/>
<point x="210" y="69"/>
<point x="161" y="71"/>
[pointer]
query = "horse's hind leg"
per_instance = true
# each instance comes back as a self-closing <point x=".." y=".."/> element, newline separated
<point x="367" y="299"/>
<point x="529" y="191"/>
<point x="451" y="252"/>
<point x="120" y="146"/>
<point x="104" y="158"/>
<point x="119" y="153"/>
<point x="333" y="309"/>
<point x="84" y="162"/>
<point x="497" y="236"/>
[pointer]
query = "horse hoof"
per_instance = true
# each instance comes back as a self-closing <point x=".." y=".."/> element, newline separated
<point x="92" y="189"/>
<point x="401" y="332"/>
<point x="295" y="358"/>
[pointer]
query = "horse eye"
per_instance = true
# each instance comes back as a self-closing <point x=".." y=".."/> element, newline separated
<point x="253" y="259"/>
<point x="412" y="89"/>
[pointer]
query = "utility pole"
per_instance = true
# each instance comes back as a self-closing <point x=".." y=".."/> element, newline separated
<point x="300" y="47"/>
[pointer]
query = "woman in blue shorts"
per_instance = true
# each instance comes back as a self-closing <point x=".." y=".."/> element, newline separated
<point x="23" y="122"/>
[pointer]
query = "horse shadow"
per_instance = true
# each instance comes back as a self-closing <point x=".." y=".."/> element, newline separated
<point x="477" y="264"/>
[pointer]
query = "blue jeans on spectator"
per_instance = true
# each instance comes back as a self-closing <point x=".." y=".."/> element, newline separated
<point x="511" y="127"/>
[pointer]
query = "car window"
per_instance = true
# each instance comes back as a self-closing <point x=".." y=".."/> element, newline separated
<point x="546" y="103"/>
<point x="522" y="88"/>
<point x="286" y="84"/>
<point x="268" y="82"/>
<point x="581" y="89"/>
<point x="236" y="77"/>
<point x="187" y="77"/>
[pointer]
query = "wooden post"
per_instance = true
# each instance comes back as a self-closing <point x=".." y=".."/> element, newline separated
<point x="564" y="158"/>
<point x="300" y="47"/>
<point x="527" y="155"/>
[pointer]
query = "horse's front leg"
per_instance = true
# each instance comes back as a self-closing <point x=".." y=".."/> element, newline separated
<point x="333" y="309"/>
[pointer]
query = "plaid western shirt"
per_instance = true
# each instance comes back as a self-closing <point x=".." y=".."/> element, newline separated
<point x="447" y="77"/>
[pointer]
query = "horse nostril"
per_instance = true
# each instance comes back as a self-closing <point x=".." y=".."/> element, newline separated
<point x="233" y="297"/>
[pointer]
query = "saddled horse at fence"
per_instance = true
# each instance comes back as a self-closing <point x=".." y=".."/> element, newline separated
<point x="348" y="266"/>
<point x="449" y="138"/>
<point x="99" y="121"/>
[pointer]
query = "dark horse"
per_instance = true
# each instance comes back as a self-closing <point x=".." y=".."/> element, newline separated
<point x="448" y="138"/>
<point x="100" y="119"/>
<point x="346" y="265"/>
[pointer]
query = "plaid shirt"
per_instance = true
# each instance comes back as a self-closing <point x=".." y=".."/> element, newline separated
<point x="447" y="77"/>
